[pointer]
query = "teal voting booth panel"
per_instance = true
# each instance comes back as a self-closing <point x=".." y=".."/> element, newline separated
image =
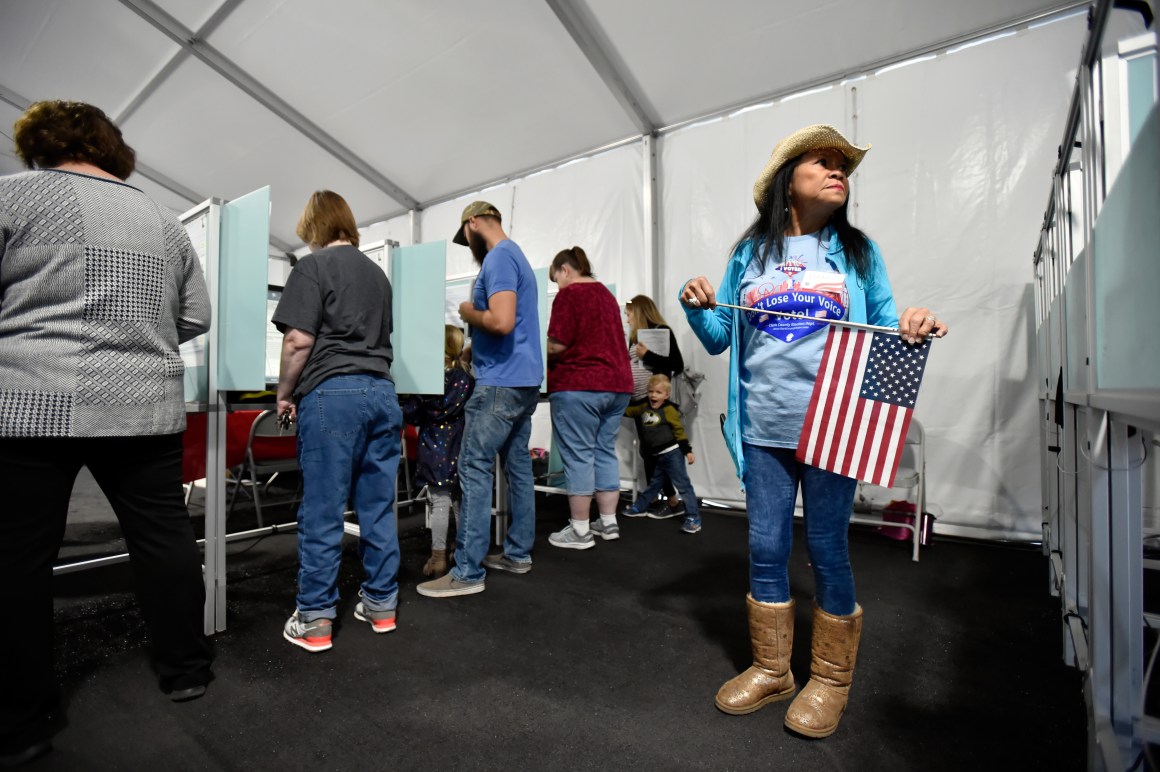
<point x="542" y="282"/>
<point x="241" y="308"/>
<point x="1127" y="273"/>
<point x="1141" y="92"/>
<point x="418" y="288"/>
<point x="1075" y="325"/>
<point x="201" y="225"/>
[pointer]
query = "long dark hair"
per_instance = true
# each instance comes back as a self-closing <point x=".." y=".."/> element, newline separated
<point x="767" y="231"/>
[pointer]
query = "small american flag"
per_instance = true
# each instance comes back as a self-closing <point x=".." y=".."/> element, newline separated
<point x="860" y="410"/>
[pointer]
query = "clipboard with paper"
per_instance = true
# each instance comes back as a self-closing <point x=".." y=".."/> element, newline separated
<point x="656" y="341"/>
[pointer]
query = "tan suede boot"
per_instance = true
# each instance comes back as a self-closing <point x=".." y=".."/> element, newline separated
<point x="438" y="564"/>
<point x="768" y="679"/>
<point x="815" y="712"/>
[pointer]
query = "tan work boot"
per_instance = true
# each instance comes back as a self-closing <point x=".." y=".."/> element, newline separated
<point x="768" y="679"/>
<point x="816" y="711"/>
<point x="438" y="564"/>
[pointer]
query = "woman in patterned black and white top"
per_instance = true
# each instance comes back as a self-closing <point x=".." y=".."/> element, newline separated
<point x="98" y="286"/>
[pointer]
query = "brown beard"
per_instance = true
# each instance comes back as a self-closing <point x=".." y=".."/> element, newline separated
<point x="477" y="246"/>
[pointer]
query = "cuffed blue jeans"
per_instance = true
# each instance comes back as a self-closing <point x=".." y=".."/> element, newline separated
<point x="585" y="424"/>
<point x="772" y="476"/>
<point x="349" y="432"/>
<point x="499" y="422"/>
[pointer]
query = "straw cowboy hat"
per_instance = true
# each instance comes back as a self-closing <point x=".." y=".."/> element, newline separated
<point x="813" y="137"/>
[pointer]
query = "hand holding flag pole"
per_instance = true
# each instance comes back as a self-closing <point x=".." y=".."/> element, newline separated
<point x="864" y="393"/>
<point x="842" y="322"/>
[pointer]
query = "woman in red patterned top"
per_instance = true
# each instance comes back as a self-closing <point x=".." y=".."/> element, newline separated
<point x="589" y="384"/>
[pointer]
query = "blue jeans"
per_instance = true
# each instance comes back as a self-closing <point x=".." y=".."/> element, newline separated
<point x="585" y="424"/>
<point x="668" y="467"/>
<point x="771" y="480"/>
<point x="499" y="422"/>
<point x="349" y="431"/>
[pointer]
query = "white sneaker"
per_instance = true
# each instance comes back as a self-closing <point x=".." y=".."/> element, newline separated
<point x="569" y="539"/>
<point x="606" y="532"/>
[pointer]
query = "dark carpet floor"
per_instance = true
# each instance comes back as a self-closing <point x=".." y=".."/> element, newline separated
<point x="603" y="659"/>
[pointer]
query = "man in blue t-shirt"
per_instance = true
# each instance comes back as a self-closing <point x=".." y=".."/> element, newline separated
<point x="505" y="350"/>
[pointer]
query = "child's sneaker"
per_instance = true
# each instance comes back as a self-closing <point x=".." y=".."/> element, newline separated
<point x="632" y="511"/>
<point x="667" y="512"/>
<point x="380" y="621"/>
<point x="692" y="524"/>
<point x="312" y="636"/>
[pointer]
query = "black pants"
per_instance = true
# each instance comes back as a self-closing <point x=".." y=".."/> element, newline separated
<point x="141" y="476"/>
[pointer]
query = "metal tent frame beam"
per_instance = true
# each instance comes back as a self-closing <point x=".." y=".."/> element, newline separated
<point x="585" y="37"/>
<point x="588" y="40"/>
<point x="224" y="10"/>
<point x="878" y="64"/>
<point x="1061" y="9"/>
<point x="218" y="62"/>
<point x="148" y="172"/>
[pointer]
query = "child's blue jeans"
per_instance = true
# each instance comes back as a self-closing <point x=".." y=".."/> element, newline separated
<point x="670" y="465"/>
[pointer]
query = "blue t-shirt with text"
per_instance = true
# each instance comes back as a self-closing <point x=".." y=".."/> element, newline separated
<point x="515" y="359"/>
<point x="780" y="355"/>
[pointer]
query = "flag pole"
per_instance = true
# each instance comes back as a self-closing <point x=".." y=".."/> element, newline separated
<point x="855" y="325"/>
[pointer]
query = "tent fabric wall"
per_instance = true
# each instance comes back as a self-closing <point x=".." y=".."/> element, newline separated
<point x="224" y="109"/>
<point x="973" y="137"/>
<point x="427" y="99"/>
<point x="953" y="192"/>
<point x="441" y="70"/>
<point x="595" y="203"/>
<point x="396" y="229"/>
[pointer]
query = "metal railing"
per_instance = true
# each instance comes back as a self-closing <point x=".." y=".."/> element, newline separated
<point x="1094" y="441"/>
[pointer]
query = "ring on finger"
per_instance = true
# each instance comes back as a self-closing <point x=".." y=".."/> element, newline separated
<point x="931" y="318"/>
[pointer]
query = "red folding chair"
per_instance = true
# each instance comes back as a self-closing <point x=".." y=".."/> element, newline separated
<point x="270" y="450"/>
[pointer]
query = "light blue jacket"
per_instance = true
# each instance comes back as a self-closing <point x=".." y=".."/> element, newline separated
<point x="871" y="302"/>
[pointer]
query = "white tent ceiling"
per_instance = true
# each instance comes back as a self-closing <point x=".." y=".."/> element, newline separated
<point x="400" y="104"/>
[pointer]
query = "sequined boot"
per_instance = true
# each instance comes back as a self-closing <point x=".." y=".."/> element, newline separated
<point x="768" y="679"/>
<point x="815" y="712"/>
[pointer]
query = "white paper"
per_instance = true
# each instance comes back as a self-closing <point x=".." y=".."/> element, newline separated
<point x="656" y="341"/>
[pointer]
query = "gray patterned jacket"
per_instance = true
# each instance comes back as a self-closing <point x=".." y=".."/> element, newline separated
<point x="98" y="285"/>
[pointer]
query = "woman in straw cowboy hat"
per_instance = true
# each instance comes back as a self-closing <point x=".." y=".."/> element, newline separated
<point x="801" y="256"/>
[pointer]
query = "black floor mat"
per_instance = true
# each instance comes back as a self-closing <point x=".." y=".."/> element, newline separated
<point x="607" y="658"/>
